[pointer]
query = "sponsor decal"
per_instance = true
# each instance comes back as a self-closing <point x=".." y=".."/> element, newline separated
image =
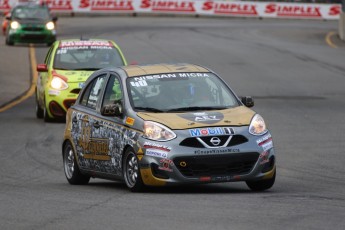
<point x="117" y="5"/>
<point x="231" y="8"/>
<point x="81" y="84"/>
<point x="169" y="76"/>
<point x="156" y="153"/>
<point x="130" y="121"/>
<point x="265" y="142"/>
<point x="150" y="145"/>
<point x="264" y="157"/>
<point x="208" y="118"/>
<point x="221" y="178"/>
<point x="140" y="151"/>
<point x="205" y="178"/>
<point x="94" y="148"/>
<point x="82" y="44"/>
<point x="54" y="92"/>
<point x="215" y="151"/>
<point x="166" y="5"/>
<point x="211" y="131"/>
<point x="293" y="10"/>
<point x="59" y="4"/>
<point x="166" y="164"/>
<point x="237" y="177"/>
<point x="4" y="5"/>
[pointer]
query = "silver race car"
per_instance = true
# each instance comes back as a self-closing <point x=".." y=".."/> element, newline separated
<point x="158" y="125"/>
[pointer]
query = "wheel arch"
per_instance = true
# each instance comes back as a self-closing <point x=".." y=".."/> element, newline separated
<point x="127" y="146"/>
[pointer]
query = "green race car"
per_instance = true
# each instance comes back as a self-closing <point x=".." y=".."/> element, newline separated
<point x="30" y="23"/>
<point x="66" y="67"/>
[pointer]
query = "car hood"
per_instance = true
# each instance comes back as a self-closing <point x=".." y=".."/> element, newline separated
<point x="73" y="75"/>
<point x="238" y="116"/>
<point x="32" y="22"/>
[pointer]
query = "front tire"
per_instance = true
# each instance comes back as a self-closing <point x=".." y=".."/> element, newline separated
<point x="46" y="115"/>
<point x="131" y="171"/>
<point x="8" y="42"/>
<point x="262" y="185"/>
<point x="71" y="169"/>
<point x="39" y="110"/>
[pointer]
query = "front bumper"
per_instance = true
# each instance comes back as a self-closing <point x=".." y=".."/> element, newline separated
<point x="58" y="101"/>
<point x="176" y="164"/>
<point x="22" y="36"/>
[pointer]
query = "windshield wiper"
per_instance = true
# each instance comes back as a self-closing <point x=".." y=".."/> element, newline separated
<point x="196" y="108"/>
<point x="149" y="109"/>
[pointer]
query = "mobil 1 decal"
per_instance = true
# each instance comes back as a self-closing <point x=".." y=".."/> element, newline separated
<point x="204" y="117"/>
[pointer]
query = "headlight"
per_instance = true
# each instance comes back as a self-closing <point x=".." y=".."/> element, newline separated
<point x="50" y="26"/>
<point x="257" y="125"/>
<point x="157" y="132"/>
<point x="58" y="83"/>
<point x="15" y="25"/>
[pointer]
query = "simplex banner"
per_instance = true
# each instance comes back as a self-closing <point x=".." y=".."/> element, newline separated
<point x="194" y="7"/>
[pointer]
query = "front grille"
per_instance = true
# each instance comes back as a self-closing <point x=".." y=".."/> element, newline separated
<point x="195" y="143"/>
<point x="33" y="29"/>
<point x="33" y="36"/>
<point x="216" y="165"/>
<point x="75" y="91"/>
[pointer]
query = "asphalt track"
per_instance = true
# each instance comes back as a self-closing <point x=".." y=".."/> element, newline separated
<point x="295" y="71"/>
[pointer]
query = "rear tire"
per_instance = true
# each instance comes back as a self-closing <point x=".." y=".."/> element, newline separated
<point x="71" y="169"/>
<point x="131" y="171"/>
<point x="261" y="185"/>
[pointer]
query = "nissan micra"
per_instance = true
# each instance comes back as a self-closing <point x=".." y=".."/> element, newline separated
<point x="165" y="124"/>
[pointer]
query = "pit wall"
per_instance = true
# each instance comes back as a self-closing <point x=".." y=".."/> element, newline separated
<point x="192" y="7"/>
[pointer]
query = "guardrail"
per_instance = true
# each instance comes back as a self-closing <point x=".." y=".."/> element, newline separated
<point x="193" y="7"/>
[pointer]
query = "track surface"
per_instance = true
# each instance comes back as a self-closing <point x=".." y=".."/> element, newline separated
<point x="296" y="78"/>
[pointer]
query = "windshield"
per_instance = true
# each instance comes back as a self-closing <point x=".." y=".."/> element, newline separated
<point x="180" y="92"/>
<point x="86" y="55"/>
<point x="38" y="13"/>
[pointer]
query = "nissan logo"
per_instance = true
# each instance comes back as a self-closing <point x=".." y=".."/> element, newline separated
<point x="215" y="141"/>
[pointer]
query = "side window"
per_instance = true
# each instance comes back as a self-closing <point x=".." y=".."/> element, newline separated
<point x="113" y="92"/>
<point x="86" y="94"/>
<point x="93" y="92"/>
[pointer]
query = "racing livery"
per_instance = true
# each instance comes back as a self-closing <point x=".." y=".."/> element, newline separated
<point x="66" y="67"/>
<point x="165" y="124"/>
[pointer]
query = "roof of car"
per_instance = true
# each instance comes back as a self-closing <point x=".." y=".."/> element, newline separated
<point x="139" y="70"/>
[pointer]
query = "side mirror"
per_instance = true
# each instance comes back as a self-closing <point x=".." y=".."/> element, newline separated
<point x="8" y="17"/>
<point x="248" y="101"/>
<point x="112" y="110"/>
<point x="42" y="68"/>
<point x="54" y="18"/>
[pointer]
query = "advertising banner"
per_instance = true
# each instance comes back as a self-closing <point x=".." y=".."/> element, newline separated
<point x="194" y="7"/>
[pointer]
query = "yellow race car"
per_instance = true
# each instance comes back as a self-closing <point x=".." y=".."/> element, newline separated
<point x="66" y="67"/>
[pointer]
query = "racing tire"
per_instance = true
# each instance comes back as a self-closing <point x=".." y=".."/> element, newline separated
<point x="262" y="185"/>
<point x="131" y="171"/>
<point x="71" y="168"/>
<point x="39" y="110"/>
<point x="8" y="42"/>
